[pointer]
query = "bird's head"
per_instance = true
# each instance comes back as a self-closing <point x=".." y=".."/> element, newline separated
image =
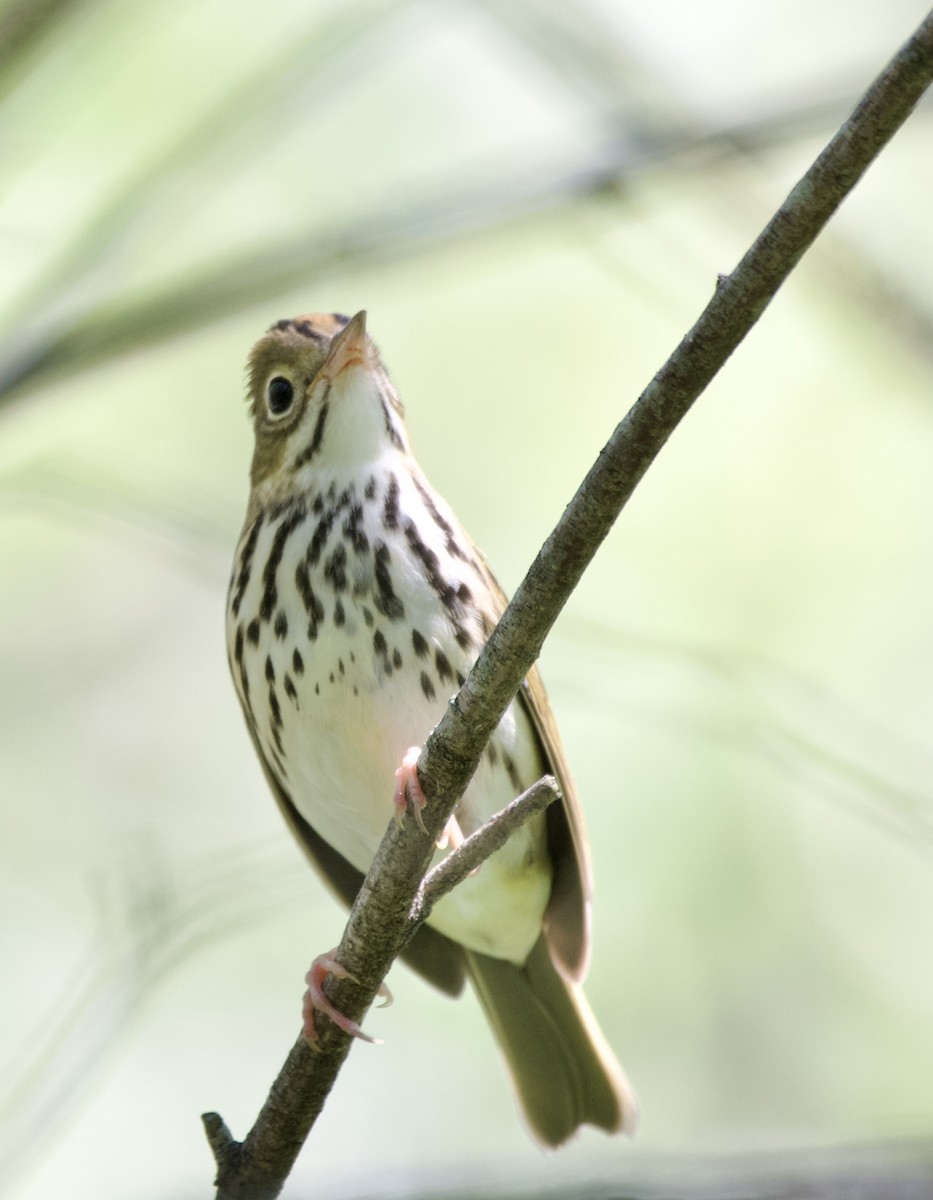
<point x="319" y="398"/>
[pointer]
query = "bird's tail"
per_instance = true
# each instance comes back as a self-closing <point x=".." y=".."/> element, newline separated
<point x="563" y="1071"/>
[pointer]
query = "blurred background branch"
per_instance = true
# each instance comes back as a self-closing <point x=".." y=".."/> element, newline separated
<point x="72" y="316"/>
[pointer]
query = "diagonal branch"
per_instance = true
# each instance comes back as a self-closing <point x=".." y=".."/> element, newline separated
<point x="379" y="921"/>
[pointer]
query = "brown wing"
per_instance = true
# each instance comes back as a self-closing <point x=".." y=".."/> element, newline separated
<point x="567" y="918"/>
<point x="434" y="957"/>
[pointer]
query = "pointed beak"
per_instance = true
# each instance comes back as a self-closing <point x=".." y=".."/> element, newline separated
<point x="348" y="349"/>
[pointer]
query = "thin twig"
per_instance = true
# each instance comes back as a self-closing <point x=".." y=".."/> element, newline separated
<point x="378" y="923"/>
<point x="475" y="849"/>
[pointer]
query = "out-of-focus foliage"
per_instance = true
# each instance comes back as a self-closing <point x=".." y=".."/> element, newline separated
<point x="532" y="198"/>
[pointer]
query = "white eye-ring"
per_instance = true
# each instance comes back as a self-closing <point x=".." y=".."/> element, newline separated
<point x="280" y="396"/>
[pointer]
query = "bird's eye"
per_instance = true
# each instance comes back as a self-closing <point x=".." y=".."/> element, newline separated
<point x="279" y="395"/>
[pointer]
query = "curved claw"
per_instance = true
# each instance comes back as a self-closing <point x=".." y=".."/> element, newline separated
<point x="451" y="835"/>
<point x="408" y="788"/>
<point x="315" y="1000"/>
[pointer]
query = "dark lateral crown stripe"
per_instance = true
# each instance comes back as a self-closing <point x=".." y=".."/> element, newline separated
<point x="305" y="328"/>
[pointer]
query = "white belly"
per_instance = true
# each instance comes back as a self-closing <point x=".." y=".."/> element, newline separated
<point x="370" y="685"/>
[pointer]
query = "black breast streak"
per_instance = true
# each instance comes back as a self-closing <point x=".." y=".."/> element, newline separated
<point x="319" y="537"/>
<point x="275" y="729"/>
<point x="335" y="569"/>
<point x="241" y="680"/>
<point x="445" y="592"/>
<point x="454" y="599"/>
<point x="270" y="593"/>
<point x="326" y="523"/>
<point x="512" y="771"/>
<point x="353" y="532"/>
<point x="381" y="651"/>
<point x="385" y="599"/>
<point x="246" y="560"/>
<point x="276" y="712"/>
<point x="451" y="544"/>
<point x="313" y="606"/>
<point x="390" y="509"/>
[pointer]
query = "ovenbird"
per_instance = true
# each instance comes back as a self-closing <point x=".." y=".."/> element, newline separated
<point x="357" y="606"/>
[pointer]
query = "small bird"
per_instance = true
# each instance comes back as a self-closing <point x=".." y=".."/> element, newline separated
<point x="357" y="606"/>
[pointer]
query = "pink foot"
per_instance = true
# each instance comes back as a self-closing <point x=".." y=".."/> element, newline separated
<point x="451" y="835"/>
<point x="408" y="789"/>
<point x="315" y="1000"/>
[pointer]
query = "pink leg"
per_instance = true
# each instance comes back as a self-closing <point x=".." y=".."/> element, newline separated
<point x="408" y="788"/>
<point x="451" y="835"/>
<point x="316" y="1001"/>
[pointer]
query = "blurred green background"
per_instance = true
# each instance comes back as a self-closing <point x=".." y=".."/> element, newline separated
<point x="532" y="198"/>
